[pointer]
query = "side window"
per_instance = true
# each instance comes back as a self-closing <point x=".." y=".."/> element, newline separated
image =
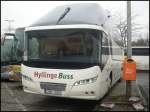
<point x="105" y="49"/>
<point x="110" y="46"/>
<point x="34" y="50"/>
<point x="117" y="51"/>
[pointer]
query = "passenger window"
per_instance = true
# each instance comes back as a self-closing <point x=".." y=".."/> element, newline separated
<point x="110" y="44"/>
<point x="105" y="49"/>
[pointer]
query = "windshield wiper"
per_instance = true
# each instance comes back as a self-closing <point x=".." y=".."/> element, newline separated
<point x="64" y="14"/>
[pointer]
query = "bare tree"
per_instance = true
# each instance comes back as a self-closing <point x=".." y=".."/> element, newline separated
<point x="141" y="42"/>
<point x="120" y="27"/>
<point x="147" y="39"/>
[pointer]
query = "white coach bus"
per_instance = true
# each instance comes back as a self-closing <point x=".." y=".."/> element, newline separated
<point x="69" y="53"/>
<point x="141" y="55"/>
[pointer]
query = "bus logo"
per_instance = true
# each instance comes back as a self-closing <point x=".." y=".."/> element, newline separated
<point x="52" y="76"/>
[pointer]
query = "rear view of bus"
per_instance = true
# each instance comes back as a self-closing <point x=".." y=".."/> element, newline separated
<point x="67" y="54"/>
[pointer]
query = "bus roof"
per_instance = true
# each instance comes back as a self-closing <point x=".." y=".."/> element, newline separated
<point x="140" y="47"/>
<point x="80" y="13"/>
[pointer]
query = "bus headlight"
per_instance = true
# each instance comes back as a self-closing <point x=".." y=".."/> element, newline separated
<point x="26" y="78"/>
<point x="85" y="81"/>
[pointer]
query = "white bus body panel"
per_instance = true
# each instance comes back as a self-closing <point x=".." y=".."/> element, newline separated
<point x="142" y="62"/>
<point x="71" y="91"/>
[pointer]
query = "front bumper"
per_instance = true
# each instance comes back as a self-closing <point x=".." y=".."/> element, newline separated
<point x="87" y="91"/>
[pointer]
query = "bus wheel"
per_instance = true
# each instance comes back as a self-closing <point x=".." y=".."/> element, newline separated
<point x="119" y="80"/>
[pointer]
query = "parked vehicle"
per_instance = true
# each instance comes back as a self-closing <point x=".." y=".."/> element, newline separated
<point x="12" y="54"/>
<point x="8" y="49"/>
<point x="141" y="56"/>
<point x="11" y="72"/>
<point x="70" y="53"/>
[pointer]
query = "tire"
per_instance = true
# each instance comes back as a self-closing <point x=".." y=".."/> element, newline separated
<point x="119" y="80"/>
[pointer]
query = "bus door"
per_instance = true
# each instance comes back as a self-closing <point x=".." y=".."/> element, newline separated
<point x="117" y="57"/>
<point x="105" y="63"/>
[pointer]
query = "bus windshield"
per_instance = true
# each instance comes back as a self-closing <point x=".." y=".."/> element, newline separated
<point x="64" y="45"/>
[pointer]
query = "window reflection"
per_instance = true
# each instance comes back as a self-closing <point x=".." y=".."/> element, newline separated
<point x="69" y="45"/>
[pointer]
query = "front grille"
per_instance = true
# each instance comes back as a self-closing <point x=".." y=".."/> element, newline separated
<point x="52" y="86"/>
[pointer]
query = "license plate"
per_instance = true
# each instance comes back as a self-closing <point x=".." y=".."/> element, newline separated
<point x="53" y="92"/>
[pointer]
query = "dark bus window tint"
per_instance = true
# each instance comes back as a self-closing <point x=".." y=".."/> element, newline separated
<point x="110" y="46"/>
<point x="64" y="45"/>
<point x="105" y="49"/>
<point x="140" y="51"/>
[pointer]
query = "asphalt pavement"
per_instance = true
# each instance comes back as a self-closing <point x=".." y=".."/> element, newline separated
<point x="14" y="98"/>
<point x="143" y="84"/>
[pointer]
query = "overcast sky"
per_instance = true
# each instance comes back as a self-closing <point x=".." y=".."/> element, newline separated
<point x="25" y="13"/>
